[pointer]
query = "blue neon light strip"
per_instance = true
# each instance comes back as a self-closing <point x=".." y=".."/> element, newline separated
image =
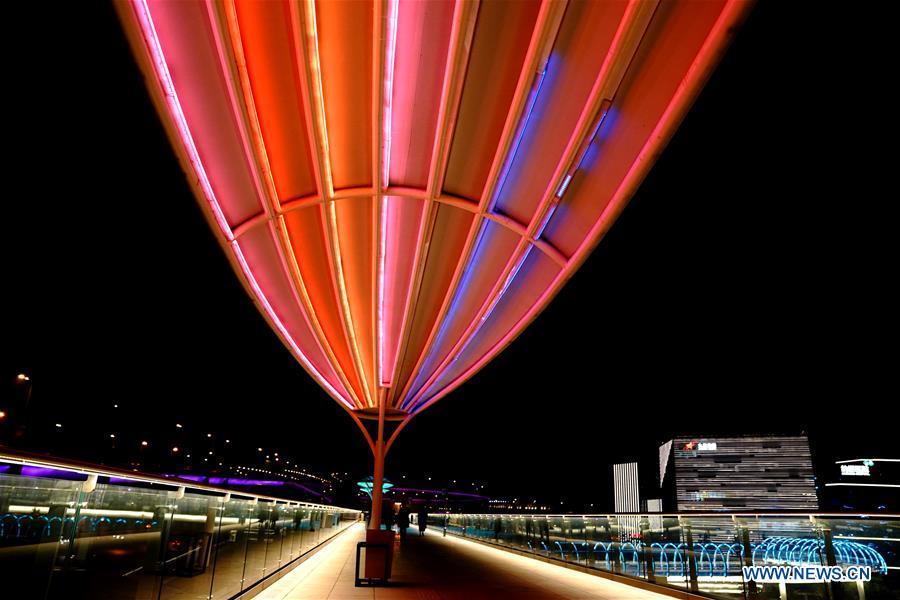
<point x="520" y="134"/>
<point x="546" y="220"/>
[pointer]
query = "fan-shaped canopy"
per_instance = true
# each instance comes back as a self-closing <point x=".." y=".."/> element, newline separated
<point x="404" y="185"/>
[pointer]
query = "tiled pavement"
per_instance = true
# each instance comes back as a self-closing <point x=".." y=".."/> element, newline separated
<point x="437" y="568"/>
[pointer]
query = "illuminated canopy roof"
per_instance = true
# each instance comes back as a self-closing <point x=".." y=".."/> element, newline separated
<point x="403" y="186"/>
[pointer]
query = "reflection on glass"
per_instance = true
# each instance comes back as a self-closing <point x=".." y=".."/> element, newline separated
<point x="705" y="554"/>
<point x="65" y="535"/>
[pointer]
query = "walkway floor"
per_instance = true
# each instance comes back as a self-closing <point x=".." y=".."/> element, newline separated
<point x="437" y="568"/>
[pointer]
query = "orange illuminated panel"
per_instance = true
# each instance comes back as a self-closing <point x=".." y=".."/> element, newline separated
<point x="510" y="135"/>
<point x="357" y="245"/>
<point x="269" y="48"/>
<point x="345" y="57"/>
<point x="502" y="34"/>
<point x="306" y="229"/>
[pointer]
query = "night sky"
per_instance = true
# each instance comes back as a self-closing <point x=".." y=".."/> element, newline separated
<point x="750" y="286"/>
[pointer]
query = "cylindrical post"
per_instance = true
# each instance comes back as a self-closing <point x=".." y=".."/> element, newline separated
<point x="379" y="552"/>
<point x="377" y="485"/>
<point x="378" y="474"/>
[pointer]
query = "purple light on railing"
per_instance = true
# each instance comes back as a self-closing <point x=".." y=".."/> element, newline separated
<point x="269" y="482"/>
<point x="4" y="468"/>
<point x="49" y="472"/>
<point x="194" y="478"/>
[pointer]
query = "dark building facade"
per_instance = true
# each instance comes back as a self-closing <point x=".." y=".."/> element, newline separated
<point x="863" y="484"/>
<point x="738" y="474"/>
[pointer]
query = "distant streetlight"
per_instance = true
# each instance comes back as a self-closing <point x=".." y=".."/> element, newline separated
<point x="25" y="381"/>
<point x="175" y="449"/>
<point x="144" y="443"/>
<point x="178" y="425"/>
<point x="2" y="414"/>
<point x="209" y="435"/>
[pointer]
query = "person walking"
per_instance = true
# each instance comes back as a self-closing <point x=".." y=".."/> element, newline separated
<point x="403" y="522"/>
<point x="423" y="521"/>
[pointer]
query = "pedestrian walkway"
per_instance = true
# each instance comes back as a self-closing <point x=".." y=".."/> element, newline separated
<point x="437" y="568"/>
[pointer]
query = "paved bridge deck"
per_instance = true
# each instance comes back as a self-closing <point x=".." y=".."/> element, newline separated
<point x="437" y="568"/>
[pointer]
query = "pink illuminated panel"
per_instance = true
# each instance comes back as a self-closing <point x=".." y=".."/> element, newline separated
<point x="418" y="79"/>
<point x="343" y="152"/>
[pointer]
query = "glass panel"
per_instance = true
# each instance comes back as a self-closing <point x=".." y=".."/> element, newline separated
<point x="775" y="541"/>
<point x="279" y="550"/>
<point x="255" y="564"/>
<point x="188" y="554"/>
<point x="117" y="543"/>
<point x="143" y="540"/>
<point x="36" y="526"/>
<point x="667" y="551"/>
<point x="705" y="554"/>
<point x="600" y="540"/>
<point x="872" y="542"/>
<point x="231" y="548"/>
<point x="291" y="549"/>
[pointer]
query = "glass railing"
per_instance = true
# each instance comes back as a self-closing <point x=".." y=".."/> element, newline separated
<point x="76" y="533"/>
<point x="704" y="553"/>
